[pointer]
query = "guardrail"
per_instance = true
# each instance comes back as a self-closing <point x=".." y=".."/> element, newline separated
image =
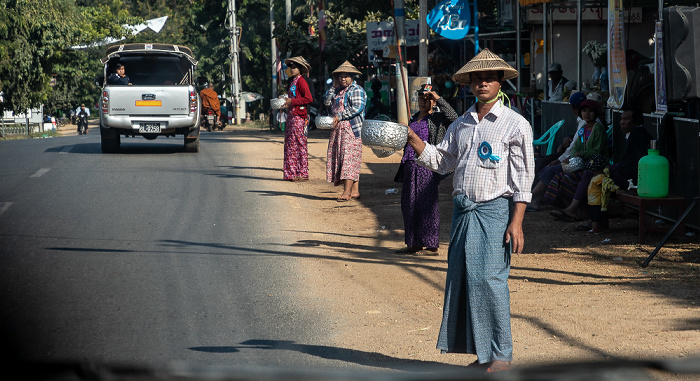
<point x="20" y="129"/>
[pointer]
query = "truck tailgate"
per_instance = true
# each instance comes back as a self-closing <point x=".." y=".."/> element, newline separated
<point x="148" y="100"/>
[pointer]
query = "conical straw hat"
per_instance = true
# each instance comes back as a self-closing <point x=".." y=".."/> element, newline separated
<point x="346" y="67"/>
<point x="301" y="62"/>
<point x="484" y="61"/>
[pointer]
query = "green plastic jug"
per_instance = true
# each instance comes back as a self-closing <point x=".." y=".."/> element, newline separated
<point x="652" y="181"/>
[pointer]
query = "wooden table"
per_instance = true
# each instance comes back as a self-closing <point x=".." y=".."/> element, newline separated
<point x="631" y="197"/>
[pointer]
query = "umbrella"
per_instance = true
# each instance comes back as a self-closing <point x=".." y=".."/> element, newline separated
<point x="250" y="97"/>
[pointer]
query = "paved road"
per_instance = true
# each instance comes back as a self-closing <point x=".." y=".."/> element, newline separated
<point x="149" y="256"/>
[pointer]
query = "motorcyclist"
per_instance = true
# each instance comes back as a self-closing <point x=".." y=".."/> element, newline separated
<point x="210" y="101"/>
<point x="80" y="111"/>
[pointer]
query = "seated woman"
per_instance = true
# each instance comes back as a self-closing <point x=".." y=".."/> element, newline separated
<point x="590" y="140"/>
<point x="636" y="146"/>
<point x="547" y="173"/>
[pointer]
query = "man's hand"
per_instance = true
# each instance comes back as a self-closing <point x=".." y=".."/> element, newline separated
<point x="514" y="233"/>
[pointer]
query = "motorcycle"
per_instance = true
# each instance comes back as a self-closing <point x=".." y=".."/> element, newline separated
<point x="208" y="120"/>
<point x="82" y="124"/>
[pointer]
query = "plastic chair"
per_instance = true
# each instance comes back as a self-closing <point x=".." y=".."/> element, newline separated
<point x="549" y="136"/>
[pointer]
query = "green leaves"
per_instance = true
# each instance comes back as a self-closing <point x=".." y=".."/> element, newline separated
<point x="35" y="40"/>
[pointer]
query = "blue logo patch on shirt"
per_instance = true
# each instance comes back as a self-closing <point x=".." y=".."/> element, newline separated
<point x="486" y="153"/>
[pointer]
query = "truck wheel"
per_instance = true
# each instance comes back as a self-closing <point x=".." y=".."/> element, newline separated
<point x="192" y="145"/>
<point x="192" y="141"/>
<point x="109" y="140"/>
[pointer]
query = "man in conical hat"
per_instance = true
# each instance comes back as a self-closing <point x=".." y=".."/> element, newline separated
<point x="347" y="101"/>
<point x="490" y="150"/>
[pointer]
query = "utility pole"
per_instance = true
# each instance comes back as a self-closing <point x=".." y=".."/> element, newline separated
<point x="235" y="74"/>
<point x="423" y="38"/>
<point x="287" y="12"/>
<point x="273" y="48"/>
<point x="401" y="74"/>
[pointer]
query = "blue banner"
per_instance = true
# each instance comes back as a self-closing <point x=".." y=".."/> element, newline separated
<point x="450" y="19"/>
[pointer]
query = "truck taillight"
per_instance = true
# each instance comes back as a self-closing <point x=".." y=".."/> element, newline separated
<point x="193" y="102"/>
<point x="105" y="101"/>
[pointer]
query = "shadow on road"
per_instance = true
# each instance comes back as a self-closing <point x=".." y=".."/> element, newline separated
<point x="371" y="359"/>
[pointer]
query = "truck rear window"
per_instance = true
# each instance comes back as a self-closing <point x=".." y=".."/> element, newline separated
<point x="155" y="70"/>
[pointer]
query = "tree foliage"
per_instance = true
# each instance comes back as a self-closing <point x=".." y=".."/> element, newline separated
<point x="36" y="39"/>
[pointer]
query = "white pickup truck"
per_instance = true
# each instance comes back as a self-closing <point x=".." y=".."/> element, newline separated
<point x="160" y="100"/>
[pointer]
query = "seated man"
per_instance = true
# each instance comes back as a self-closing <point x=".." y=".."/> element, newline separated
<point x="210" y="100"/>
<point x="119" y="76"/>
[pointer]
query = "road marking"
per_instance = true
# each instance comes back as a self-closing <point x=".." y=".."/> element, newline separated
<point x="4" y="206"/>
<point x="40" y="172"/>
<point x="67" y="149"/>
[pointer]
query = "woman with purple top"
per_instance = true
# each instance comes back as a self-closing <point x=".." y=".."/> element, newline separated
<point x="419" y="193"/>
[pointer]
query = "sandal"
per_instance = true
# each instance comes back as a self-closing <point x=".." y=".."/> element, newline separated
<point x="561" y="216"/>
<point x="407" y="250"/>
<point x="427" y="252"/>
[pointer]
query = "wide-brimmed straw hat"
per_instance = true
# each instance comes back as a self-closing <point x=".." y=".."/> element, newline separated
<point x="300" y="62"/>
<point x="484" y="61"/>
<point x="346" y="67"/>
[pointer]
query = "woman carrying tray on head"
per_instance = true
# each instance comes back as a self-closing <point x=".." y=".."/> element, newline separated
<point x="419" y="193"/>
<point x="347" y="101"/>
<point x="296" y="161"/>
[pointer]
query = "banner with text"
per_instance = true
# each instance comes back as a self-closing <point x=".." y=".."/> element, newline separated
<point x="381" y="35"/>
<point x="617" y="62"/>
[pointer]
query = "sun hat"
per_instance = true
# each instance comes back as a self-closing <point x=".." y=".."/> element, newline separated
<point x="576" y="98"/>
<point x="554" y="66"/>
<point x="484" y="61"/>
<point x="346" y="67"/>
<point x="589" y="103"/>
<point x="300" y="62"/>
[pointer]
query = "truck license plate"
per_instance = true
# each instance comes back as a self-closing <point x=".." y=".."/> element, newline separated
<point x="149" y="128"/>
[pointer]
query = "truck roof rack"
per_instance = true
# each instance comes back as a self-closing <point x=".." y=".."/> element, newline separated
<point x="118" y="50"/>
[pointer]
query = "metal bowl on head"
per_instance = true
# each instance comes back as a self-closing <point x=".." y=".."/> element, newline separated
<point x="384" y="135"/>
<point x="324" y="122"/>
<point x="277" y="103"/>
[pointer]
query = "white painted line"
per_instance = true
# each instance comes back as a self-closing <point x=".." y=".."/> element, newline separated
<point x="40" y="172"/>
<point x="4" y="206"/>
<point x="67" y="149"/>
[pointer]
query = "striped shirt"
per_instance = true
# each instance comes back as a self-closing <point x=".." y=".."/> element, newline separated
<point x="482" y="174"/>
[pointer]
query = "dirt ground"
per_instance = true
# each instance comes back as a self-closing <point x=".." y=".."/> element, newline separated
<point x="574" y="297"/>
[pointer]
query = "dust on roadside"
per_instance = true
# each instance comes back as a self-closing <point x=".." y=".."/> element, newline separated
<point x="574" y="297"/>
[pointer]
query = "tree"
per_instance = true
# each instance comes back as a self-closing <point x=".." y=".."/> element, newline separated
<point x="34" y="40"/>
